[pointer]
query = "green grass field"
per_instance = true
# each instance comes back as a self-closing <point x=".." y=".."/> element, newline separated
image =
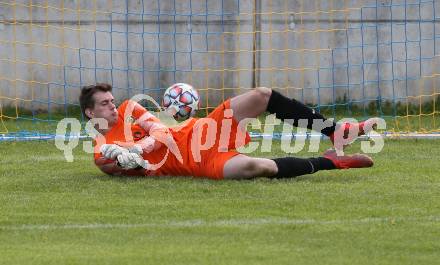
<point x="54" y="212"/>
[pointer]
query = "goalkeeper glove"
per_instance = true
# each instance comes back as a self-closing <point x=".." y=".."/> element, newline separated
<point x="111" y="151"/>
<point x="131" y="161"/>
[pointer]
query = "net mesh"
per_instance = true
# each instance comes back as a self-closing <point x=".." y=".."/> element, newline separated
<point x="344" y="58"/>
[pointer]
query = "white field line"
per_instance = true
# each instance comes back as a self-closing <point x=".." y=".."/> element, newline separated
<point x="226" y="223"/>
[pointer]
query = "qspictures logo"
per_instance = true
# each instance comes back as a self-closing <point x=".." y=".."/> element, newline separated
<point x="210" y="133"/>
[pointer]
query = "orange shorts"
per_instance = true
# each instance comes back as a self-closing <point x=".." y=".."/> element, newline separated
<point x="224" y="148"/>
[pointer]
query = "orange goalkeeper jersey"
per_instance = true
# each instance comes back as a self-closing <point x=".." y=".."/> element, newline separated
<point x="218" y="131"/>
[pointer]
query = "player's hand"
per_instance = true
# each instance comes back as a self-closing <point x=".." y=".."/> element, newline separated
<point x="112" y="151"/>
<point x="131" y="161"/>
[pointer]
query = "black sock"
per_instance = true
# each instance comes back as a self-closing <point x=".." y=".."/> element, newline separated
<point x="286" y="108"/>
<point x="290" y="167"/>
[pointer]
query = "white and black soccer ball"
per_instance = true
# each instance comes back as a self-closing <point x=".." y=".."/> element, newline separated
<point x="182" y="100"/>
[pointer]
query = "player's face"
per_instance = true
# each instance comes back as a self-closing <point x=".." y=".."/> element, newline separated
<point x="104" y="107"/>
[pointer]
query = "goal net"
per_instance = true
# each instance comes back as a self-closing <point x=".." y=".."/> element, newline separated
<point x="345" y="58"/>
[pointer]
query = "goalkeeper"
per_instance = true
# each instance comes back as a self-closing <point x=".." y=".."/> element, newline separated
<point x="198" y="149"/>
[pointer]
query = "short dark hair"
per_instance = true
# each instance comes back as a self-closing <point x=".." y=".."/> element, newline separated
<point x="86" y="99"/>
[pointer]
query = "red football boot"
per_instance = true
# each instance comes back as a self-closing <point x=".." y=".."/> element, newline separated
<point x="348" y="161"/>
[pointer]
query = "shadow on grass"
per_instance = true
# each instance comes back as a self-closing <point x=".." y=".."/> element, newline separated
<point x="131" y="179"/>
<point x="334" y="177"/>
<point x="327" y="177"/>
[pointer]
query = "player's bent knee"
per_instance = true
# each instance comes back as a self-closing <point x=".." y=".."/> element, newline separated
<point x="264" y="90"/>
<point x="246" y="168"/>
<point x="243" y="167"/>
<point x="266" y="169"/>
<point x="255" y="168"/>
<point x="263" y="94"/>
<point x="250" y="168"/>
